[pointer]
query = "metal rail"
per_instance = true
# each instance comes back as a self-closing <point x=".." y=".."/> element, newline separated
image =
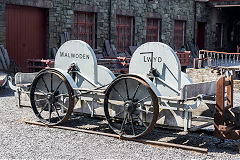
<point x="216" y="58"/>
<point x="149" y="142"/>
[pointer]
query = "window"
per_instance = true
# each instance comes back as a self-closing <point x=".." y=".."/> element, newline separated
<point x="84" y="27"/>
<point x="124" y="33"/>
<point x="219" y="35"/>
<point x="179" y="29"/>
<point x="152" y="30"/>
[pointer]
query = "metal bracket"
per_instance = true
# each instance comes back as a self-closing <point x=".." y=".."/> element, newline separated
<point x="11" y="84"/>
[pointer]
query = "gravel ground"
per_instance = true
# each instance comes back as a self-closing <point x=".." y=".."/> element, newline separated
<point x="21" y="141"/>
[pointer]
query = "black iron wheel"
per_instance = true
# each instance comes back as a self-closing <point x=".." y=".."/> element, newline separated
<point x="131" y="107"/>
<point x="51" y="97"/>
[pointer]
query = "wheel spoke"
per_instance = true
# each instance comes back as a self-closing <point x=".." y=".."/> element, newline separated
<point x="50" y="112"/>
<point x="125" y="118"/>
<point x="132" y="125"/>
<point x="142" y="110"/>
<point x="119" y="93"/>
<point x="61" y="105"/>
<point x="117" y="114"/>
<point x="135" y="92"/>
<point x="114" y="102"/>
<point x="45" y="94"/>
<point x="45" y="84"/>
<point x="126" y="89"/>
<point x="51" y="82"/>
<point x="58" y="86"/>
<point x="37" y="100"/>
<point x="42" y="109"/>
<point x="142" y="121"/>
<point x="62" y="95"/>
<point x="57" y="112"/>
<point x="143" y="99"/>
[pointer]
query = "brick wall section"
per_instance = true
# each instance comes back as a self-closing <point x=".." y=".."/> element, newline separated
<point x="61" y="17"/>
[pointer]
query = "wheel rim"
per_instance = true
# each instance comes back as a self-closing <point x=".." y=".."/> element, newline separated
<point x="131" y="107"/>
<point x="51" y="97"/>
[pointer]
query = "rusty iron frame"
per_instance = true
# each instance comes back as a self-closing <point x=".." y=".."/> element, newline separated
<point x="224" y="128"/>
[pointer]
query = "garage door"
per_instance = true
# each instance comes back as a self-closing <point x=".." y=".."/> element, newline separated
<point x="26" y="34"/>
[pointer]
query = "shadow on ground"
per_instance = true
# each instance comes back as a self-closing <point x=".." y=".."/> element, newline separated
<point x="6" y="92"/>
<point x="202" y="139"/>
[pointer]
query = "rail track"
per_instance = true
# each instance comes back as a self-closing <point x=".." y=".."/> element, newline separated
<point x="144" y="141"/>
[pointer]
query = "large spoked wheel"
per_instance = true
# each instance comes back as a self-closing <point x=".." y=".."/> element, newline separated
<point x="51" y="97"/>
<point x="131" y="107"/>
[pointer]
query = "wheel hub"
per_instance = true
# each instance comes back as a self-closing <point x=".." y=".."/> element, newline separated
<point x="51" y="98"/>
<point x="130" y="107"/>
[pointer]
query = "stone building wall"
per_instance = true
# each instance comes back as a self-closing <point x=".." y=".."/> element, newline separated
<point x="208" y="74"/>
<point x="166" y="10"/>
<point x="203" y="12"/>
<point x="202" y="75"/>
<point x="2" y="23"/>
<point x="61" y="17"/>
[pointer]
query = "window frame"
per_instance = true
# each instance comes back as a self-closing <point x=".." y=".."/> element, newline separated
<point x="86" y="24"/>
<point x="151" y="27"/>
<point x="119" y="26"/>
<point x="183" y="34"/>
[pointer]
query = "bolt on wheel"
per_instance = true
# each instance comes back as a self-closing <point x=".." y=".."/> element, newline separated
<point x="51" y="97"/>
<point x="131" y="107"/>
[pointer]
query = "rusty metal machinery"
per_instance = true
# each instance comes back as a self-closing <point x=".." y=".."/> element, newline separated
<point x="155" y="92"/>
<point x="226" y="118"/>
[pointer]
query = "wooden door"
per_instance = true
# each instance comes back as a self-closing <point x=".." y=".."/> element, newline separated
<point x="26" y="34"/>
<point x="201" y="35"/>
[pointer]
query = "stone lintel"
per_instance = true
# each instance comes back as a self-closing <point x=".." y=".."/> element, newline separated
<point x="85" y="8"/>
<point x="180" y="17"/>
<point x="154" y="15"/>
<point x="201" y="19"/>
<point x="124" y="12"/>
<point x="32" y="3"/>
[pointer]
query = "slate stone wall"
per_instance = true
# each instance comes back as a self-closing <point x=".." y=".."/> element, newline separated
<point x="2" y="23"/>
<point x="61" y="16"/>
<point x="202" y="75"/>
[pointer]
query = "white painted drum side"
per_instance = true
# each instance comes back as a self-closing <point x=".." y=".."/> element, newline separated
<point x="105" y="76"/>
<point x="165" y="61"/>
<point x="80" y="53"/>
<point x="151" y="84"/>
<point x="185" y="79"/>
